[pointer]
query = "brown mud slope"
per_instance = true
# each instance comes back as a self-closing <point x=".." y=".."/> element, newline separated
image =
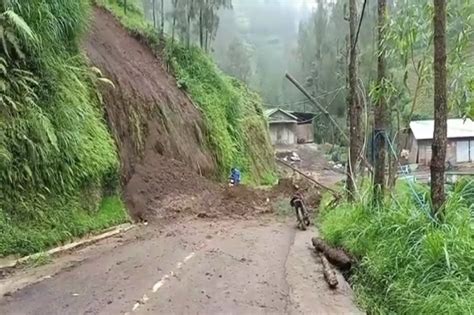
<point x="148" y="114"/>
<point x="160" y="134"/>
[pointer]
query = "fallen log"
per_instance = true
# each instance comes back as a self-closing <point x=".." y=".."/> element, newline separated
<point x="336" y="256"/>
<point x="328" y="272"/>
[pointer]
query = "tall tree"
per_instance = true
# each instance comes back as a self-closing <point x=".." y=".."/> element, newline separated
<point x="154" y="13"/>
<point x="355" y="108"/>
<point x="438" y="157"/>
<point x="380" y="116"/>
<point x="175" y="18"/>
<point x="162" y="17"/>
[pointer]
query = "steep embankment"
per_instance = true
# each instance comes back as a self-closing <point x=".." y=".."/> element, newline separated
<point x="147" y="113"/>
<point x="57" y="158"/>
<point x="165" y="140"/>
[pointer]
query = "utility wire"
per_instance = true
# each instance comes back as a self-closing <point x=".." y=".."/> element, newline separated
<point x="360" y="23"/>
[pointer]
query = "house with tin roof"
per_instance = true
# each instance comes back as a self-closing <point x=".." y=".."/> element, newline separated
<point x="460" y="146"/>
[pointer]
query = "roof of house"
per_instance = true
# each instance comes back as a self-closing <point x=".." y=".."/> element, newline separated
<point x="271" y="111"/>
<point x="304" y="116"/>
<point x="457" y="128"/>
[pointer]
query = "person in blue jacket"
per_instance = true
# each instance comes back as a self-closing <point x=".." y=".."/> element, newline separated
<point x="234" y="176"/>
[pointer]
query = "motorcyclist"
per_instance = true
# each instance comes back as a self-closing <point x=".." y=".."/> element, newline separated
<point x="234" y="177"/>
<point x="298" y="199"/>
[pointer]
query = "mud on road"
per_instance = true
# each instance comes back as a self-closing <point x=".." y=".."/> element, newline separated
<point x="256" y="266"/>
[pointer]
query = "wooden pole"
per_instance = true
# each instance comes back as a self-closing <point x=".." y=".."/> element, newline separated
<point x="326" y="113"/>
<point x="308" y="178"/>
<point x="321" y="108"/>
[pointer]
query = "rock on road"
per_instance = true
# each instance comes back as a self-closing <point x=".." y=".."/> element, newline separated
<point x="257" y="266"/>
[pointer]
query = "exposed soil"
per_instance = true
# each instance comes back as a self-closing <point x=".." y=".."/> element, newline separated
<point x="148" y="114"/>
<point x="166" y="188"/>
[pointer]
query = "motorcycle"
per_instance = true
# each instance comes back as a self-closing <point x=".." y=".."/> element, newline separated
<point x="301" y="213"/>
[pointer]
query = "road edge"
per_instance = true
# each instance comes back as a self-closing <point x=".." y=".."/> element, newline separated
<point x="109" y="232"/>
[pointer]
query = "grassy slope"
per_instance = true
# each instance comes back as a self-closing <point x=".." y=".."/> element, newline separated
<point x="57" y="157"/>
<point x="408" y="263"/>
<point x="233" y="113"/>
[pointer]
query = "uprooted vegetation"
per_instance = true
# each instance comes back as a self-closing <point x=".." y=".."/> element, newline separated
<point x="408" y="262"/>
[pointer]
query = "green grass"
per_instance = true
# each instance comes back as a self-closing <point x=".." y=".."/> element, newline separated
<point x="57" y="158"/>
<point x="237" y="130"/>
<point x="59" y="222"/>
<point x="408" y="264"/>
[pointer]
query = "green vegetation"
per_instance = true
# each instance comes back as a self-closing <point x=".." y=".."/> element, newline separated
<point x="57" y="157"/>
<point x="408" y="263"/>
<point x="233" y="113"/>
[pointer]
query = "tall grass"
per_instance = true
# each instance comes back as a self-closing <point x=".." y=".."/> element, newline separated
<point x="53" y="140"/>
<point x="408" y="263"/>
<point x="238" y="133"/>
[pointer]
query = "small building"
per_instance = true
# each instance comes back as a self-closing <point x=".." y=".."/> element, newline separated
<point x="460" y="146"/>
<point x="304" y="127"/>
<point x="282" y="125"/>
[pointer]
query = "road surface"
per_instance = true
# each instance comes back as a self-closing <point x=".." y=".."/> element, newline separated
<point x="254" y="266"/>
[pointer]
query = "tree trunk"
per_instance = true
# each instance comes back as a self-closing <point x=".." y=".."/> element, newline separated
<point x="438" y="157"/>
<point x="336" y="256"/>
<point x="380" y="119"/>
<point x="355" y="109"/>
<point x="328" y="272"/>
<point x="201" y="28"/>
<point x="175" y="13"/>
<point x="188" y="25"/>
<point x="162" y="17"/>
<point x="154" y="13"/>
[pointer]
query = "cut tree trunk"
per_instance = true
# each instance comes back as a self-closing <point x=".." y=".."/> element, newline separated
<point x="336" y="256"/>
<point x="438" y="157"/>
<point x="328" y="272"/>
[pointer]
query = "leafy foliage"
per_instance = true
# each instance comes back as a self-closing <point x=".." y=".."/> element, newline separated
<point x="234" y="115"/>
<point x="53" y="140"/>
<point x="408" y="263"/>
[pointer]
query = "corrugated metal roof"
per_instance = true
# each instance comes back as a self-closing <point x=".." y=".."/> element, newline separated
<point x="457" y="128"/>
<point x="269" y="112"/>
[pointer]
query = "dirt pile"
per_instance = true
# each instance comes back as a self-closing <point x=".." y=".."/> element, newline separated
<point x="149" y="116"/>
<point x="167" y="188"/>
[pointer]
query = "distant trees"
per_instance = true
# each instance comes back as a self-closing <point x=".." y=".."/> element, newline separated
<point x="198" y="17"/>
<point x="238" y="60"/>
